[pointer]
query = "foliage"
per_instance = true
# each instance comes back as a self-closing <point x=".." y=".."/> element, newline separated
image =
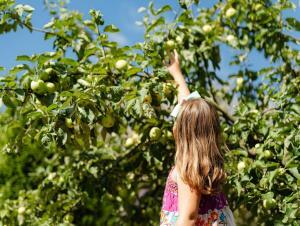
<point x="85" y="154"/>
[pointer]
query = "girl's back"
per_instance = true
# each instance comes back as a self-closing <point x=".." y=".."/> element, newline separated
<point x="199" y="160"/>
<point x="213" y="209"/>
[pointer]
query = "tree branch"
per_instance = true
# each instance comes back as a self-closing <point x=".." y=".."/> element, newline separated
<point x="43" y="31"/>
<point x="226" y="115"/>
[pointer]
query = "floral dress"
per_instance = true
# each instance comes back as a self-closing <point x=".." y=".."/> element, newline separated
<point x="212" y="209"/>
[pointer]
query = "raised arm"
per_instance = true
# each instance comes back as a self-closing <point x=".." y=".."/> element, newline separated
<point x="175" y="71"/>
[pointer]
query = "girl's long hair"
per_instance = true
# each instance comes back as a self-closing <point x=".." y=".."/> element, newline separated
<point x="199" y="158"/>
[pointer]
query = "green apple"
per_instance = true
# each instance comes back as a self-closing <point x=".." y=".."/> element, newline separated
<point x="269" y="203"/>
<point x="47" y="73"/>
<point x="168" y="134"/>
<point x="21" y="210"/>
<point x="170" y="44"/>
<point x="230" y="39"/>
<point x="230" y="12"/>
<point x="69" y="122"/>
<point x="50" y="87"/>
<point x="108" y="121"/>
<point x="267" y="154"/>
<point x="121" y="64"/>
<point x="38" y="86"/>
<point x="34" y="85"/>
<point x="68" y="218"/>
<point x="50" y="71"/>
<point x="129" y="142"/>
<point x="239" y="83"/>
<point x="241" y="165"/>
<point x="155" y="133"/>
<point x="147" y="99"/>
<point x="207" y="28"/>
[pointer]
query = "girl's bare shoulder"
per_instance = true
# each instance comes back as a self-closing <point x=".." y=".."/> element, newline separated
<point x="174" y="174"/>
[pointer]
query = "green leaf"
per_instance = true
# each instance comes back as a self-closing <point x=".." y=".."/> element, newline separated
<point x="111" y="28"/>
<point x="20" y="94"/>
<point x="293" y="22"/>
<point x="28" y="8"/>
<point x="52" y="106"/>
<point x="138" y="108"/>
<point x="155" y="23"/>
<point x="23" y="58"/>
<point x="91" y="116"/>
<point x="18" y="68"/>
<point x="238" y="187"/>
<point x="82" y="111"/>
<point x="8" y="102"/>
<point x="185" y="3"/>
<point x="94" y="171"/>
<point x="163" y="9"/>
<point x="35" y="115"/>
<point x="294" y="171"/>
<point x="268" y="195"/>
<point x="151" y="7"/>
<point x="272" y="176"/>
<point x="133" y="71"/>
<point x="69" y="61"/>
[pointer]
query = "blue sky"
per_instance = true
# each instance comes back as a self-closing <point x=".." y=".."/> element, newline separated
<point x="122" y="13"/>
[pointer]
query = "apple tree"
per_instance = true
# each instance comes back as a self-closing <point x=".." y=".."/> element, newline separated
<point x="262" y="132"/>
<point x="87" y="138"/>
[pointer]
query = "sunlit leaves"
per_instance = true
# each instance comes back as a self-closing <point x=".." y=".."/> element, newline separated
<point x="111" y="28"/>
<point x="75" y="153"/>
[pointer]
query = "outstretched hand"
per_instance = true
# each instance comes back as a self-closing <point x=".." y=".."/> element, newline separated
<point x="173" y="65"/>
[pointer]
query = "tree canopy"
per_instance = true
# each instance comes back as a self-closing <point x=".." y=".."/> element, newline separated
<point x="86" y="139"/>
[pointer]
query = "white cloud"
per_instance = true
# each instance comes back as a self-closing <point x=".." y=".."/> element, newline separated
<point x="119" y="37"/>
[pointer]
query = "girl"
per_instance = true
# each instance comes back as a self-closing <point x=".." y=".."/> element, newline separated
<point x="192" y="194"/>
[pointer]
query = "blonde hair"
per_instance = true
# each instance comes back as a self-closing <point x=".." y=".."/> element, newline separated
<point x="199" y="158"/>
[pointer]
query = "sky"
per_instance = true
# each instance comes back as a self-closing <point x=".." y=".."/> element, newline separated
<point x="123" y="14"/>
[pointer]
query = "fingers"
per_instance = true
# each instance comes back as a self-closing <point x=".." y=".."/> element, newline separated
<point x="176" y="55"/>
<point x="173" y="57"/>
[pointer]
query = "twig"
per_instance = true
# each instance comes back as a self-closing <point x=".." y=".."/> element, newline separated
<point x="225" y="113"/>
<point x="43" y="31"/>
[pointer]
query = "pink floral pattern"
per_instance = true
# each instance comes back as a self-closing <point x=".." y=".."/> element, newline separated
<point x="211" y="209"/>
